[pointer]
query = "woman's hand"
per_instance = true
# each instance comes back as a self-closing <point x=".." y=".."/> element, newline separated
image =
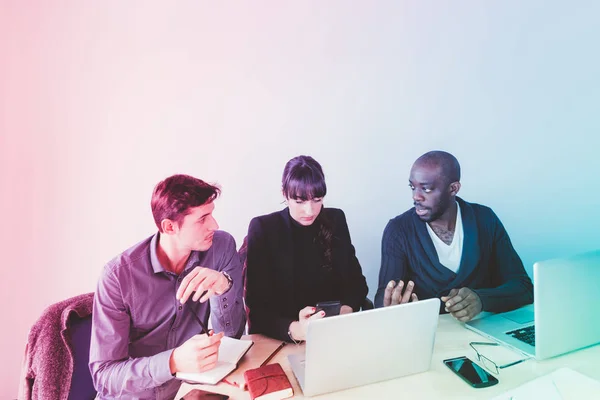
<point x="298" y="328"/>
<point x="346" y="310"/>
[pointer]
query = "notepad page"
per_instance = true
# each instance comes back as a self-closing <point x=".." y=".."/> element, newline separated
<point x="562" y="384"/>
<point x="232" y="350"/>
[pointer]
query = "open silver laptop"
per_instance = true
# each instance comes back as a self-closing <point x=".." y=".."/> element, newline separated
<point x="366" y="347"/>
<point x="565" y="315"/>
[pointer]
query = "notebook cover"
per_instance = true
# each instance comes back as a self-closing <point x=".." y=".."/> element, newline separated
<point x="268" y="379"/>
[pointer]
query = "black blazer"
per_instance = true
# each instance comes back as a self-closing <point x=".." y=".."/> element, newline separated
<point x="270" y="271"/>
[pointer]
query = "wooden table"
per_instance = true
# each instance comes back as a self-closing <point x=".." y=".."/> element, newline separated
<point x="452" y="340"/>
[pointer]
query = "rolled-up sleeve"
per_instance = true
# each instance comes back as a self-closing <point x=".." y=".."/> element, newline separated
<point x="114" y="372"/>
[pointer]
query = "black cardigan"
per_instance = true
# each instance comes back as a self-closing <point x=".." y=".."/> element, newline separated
<point x="270" y="271"/>
<point x="489" y="264"/>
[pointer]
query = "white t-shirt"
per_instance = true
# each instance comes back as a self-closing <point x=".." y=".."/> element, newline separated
<point x="450" y="255"/>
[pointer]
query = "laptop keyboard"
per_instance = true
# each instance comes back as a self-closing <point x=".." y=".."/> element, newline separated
<point x="526" y="334"/>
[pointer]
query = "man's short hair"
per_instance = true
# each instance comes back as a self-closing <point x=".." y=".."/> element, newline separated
<point x="447" y="162"/>
<point x="173" y="197"/>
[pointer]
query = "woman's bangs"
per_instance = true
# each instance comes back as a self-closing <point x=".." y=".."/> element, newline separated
<point x="306" y="188"/>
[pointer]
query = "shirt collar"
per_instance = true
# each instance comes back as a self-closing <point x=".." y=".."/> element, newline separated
<point x="158" y="267"/>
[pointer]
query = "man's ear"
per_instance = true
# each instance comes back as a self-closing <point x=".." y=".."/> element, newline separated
<point x="168" y="226"/>
<point x="454" y="188"/>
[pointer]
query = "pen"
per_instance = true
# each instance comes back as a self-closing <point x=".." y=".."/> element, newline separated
<point x="273" y="354"/>
<point x="204" y="329"/>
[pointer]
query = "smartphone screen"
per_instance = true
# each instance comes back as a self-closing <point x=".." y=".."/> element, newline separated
<point x="470" y="372"/>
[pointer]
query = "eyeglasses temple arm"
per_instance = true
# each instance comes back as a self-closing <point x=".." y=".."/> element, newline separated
<point x="513" y="363"/>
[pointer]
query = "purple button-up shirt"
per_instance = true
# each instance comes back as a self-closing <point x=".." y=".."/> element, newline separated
<point x="137" y="322"/>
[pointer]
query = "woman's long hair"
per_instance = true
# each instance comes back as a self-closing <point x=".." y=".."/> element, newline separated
<point x="303" y="179"/>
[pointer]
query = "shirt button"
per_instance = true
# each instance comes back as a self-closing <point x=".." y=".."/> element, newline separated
<point x="227" y="324"/>
<point x="225" y="306"/>
<point x="180" y="307"/>
<point x="224" y="298"/>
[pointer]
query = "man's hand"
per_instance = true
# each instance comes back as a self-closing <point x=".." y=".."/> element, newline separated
<point x="298" y="328"/>
<point x="198" y="354"/>
<point x="393" y="293"/>
<point x="202" y="280"/>
<point x="464" y="304"/>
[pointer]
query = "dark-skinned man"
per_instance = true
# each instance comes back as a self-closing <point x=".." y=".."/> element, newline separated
<point x="448" y="248"/>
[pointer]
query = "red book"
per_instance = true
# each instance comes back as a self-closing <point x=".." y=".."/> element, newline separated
<point x="268" y="382"/>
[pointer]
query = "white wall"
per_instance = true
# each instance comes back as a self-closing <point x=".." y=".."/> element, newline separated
<point x="99" y="101"/>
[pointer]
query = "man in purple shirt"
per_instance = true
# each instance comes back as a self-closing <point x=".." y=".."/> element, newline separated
<point x="144" y="330"/>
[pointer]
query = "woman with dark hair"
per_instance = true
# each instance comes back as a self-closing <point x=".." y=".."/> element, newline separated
<point x="300" y="256"/>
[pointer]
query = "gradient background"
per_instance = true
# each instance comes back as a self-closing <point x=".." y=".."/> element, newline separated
<point x="99" y="101"/>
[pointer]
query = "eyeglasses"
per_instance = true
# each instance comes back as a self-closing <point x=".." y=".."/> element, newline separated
<point x="489" y="364"/>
